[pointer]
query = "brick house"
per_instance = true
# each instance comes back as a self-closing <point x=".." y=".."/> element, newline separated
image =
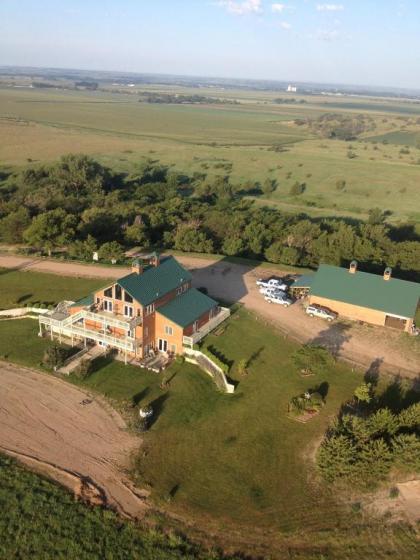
<point x="152" y="309"/>
<point x="371" y="298"/>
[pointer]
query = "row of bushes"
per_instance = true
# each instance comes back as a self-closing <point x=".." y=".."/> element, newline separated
<point x="216" y="359"/>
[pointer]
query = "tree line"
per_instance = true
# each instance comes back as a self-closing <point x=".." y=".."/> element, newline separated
<point x="84" y="206"/>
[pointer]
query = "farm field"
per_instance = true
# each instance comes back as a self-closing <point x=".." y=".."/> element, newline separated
<point x="256" y="138"/>
<point x="224" y="460"/>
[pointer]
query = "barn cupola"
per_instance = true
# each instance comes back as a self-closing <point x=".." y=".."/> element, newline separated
<point x="137" y="266"/>
<point x="353" y="267"/>
<point x="387" y="273"/>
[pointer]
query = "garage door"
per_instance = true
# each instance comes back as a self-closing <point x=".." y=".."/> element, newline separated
<point x="395" y="322"/>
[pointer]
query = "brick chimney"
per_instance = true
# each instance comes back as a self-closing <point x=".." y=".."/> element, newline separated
<point x="387" y="273"/>
<point x="155" y="259"/>
<point x="353" y="267"/>
<point x="137" y="266"/>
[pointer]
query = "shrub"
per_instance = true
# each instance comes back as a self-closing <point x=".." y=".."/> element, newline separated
<point x="216" y="359"/>
<point x="297" y="188"/>
<point x="312" y="359"/>
<point x="55" y="356"/>
<point x="406" y="448"/>
<point x="336" y="457"/>
<point x="84" y="368"/>
<point x="394" y="492"/>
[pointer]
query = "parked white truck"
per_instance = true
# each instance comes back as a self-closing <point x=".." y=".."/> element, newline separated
<point x="271" y="283"/>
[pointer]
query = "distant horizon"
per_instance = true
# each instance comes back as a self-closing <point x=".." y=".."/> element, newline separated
<point x="339" y="42"/>
<point x="373" y="87"/>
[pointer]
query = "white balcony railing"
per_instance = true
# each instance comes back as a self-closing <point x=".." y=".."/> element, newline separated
<point x="223" y="314"/>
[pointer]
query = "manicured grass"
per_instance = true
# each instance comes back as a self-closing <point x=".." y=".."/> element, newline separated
<point x="19" y="342"/>
<point x="18" y="288"/>
<point x="42" y="521"/>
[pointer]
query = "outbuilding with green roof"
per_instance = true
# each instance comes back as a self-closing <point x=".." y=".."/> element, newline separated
<point x="370" y="298"/>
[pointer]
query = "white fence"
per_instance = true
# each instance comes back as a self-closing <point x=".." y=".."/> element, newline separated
<point x="212" y="369"/>
<point x="19" y="311"/>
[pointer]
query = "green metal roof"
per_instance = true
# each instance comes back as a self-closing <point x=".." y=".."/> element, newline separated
<point x="155" y="281"/>
<point x="84" y="302"/>
<point x="187" y="308"/>
<point x="394" y="296"/>
<point x="304" y="281"/>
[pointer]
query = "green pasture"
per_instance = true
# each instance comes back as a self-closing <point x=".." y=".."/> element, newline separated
<point x="398" y="137"/>
<point x="257" y="138"/>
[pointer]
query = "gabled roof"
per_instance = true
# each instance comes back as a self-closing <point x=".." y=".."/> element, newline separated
<point x="155" y="281"/>
<point x="394" y="296"/>
<point x="187" y="308"/>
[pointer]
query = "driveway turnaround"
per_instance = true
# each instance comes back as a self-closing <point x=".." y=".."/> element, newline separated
<point x="373" y="348"/>
<point x="59" y="430"/>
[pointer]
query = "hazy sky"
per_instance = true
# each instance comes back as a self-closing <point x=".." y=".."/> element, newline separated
<point x="374" y="42"/>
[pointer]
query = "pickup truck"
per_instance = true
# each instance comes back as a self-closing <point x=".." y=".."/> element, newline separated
<point x="321" y="312"/>
<point x="272" y="292"/>
<point x="272" y="283"/>
<point x="278" y="298"/>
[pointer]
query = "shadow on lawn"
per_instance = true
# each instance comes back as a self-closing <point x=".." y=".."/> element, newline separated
<point x="158" y="406"/>
<point x="399" y="394"/>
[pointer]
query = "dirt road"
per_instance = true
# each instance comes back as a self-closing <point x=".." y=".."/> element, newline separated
<point x="373" y="347"/>
<point x="83" y="446"/>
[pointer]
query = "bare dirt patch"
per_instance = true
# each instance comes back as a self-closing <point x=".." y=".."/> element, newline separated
<point x="87" y="448"/>
<point x="404" y="506"/>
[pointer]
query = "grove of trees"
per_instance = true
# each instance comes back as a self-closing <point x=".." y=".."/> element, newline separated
<point x="81" y="205"/>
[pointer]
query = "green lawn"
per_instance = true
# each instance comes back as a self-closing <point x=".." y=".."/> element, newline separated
<point x="18" y="288"/>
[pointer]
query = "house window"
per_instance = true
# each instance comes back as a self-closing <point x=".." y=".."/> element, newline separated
<point x="107" y="305"/>
<point x="149" y="309"/>
<point x="118" y="292"/>
<point x="169" y="330"/>
<point x="128" y="311"/>
<point x="108" y="292"/>
<point x="128" y="298"/>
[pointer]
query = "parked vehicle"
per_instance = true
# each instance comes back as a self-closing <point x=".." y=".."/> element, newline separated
<point x="272" y="283"/>
<point x="321" y="312"/>
<point x="280" y="299"/>
<point x="272" y="291"/>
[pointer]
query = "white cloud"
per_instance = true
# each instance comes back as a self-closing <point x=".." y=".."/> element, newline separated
<point x="242" y="8"/>
<point x="285" y="25"/>
<point x="330" y="7"/>
<point x="327" y="35"/>
<point x="278" y="8"/>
